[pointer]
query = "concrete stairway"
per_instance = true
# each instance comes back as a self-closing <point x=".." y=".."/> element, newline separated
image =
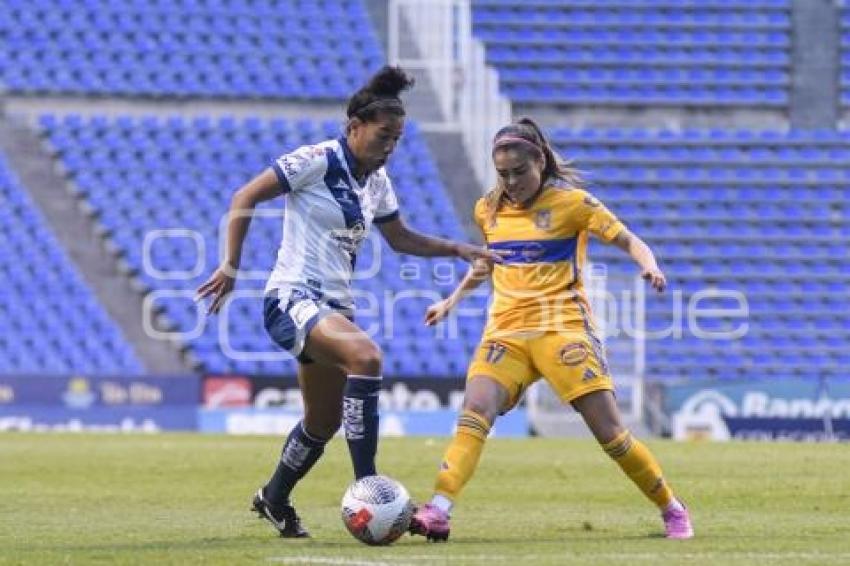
<point x="446" y="148"/>
<point x="92" y="255"/>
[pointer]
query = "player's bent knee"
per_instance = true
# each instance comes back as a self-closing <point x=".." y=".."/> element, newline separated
<point x="365" y="359"/>
<point x="487" y="410"/>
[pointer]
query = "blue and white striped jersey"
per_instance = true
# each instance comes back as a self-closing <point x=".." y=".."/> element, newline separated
<point x="328" y="215"/>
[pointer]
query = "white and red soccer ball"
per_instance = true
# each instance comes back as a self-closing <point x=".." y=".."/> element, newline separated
<point x="376" y="510"/>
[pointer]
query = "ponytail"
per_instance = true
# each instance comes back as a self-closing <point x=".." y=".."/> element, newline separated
<point x="380" y="95"/>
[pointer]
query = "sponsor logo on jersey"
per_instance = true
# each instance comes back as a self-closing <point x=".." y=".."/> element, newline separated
<point x="573" y="354"/>
<point x="343" y="198"/>
<point x="294" y="164"/>
<point x="349" y="239"/>
<point x="532" y="251"/>
<point x="591" y="202"/>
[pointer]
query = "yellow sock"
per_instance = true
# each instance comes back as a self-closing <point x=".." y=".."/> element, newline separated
<point x="640" y="465"/>
<point x="462" y="455"/>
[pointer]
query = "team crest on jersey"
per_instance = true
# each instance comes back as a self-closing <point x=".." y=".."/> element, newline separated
<point x="573" y="354"/>
<point x="543" y="219"/>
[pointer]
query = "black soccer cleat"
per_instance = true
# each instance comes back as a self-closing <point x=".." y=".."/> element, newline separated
<point x="282" y="517"/>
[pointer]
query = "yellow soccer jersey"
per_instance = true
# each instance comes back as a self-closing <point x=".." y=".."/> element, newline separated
<point x="538" y="287"/>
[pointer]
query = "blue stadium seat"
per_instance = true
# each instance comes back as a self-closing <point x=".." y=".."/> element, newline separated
<point x="190" y="167"/>
<point x="735" y="53"/>
<point x="275" y="50"/>
<point x="734" y="210"/>
<point x="49" y="332"/>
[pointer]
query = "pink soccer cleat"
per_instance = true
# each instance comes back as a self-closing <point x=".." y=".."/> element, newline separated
<point x="677" y="523"/>
<point x="431" y="522"/>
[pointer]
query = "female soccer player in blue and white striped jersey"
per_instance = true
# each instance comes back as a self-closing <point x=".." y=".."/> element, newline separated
<point x="335" y="191"/>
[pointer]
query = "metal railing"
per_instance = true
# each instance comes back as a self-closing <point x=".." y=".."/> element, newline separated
<point x="436" y="36"/>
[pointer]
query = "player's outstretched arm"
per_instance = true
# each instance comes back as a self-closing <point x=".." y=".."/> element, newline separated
<point x="406" y="241"/>
<point x="478" y="272"/>
<point x="643" y="256"/>
<point x="263" y="187"/>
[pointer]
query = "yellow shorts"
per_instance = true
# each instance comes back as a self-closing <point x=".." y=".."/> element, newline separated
<point x="573" y="363"/>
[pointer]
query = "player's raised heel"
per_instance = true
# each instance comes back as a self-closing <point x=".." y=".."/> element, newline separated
<point x="282" y="517"/>
<point x="677" y="523"/>
<point x="431" y="522"/>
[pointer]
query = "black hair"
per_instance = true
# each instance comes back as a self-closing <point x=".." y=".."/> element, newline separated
<point x="380" y="94"/>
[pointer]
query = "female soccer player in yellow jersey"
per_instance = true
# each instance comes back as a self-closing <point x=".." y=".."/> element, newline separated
<point x="538" y="218"/>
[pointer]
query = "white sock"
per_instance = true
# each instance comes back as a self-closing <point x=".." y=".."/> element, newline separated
<point x="674" y="505"/>
<point x="442" y="503"/>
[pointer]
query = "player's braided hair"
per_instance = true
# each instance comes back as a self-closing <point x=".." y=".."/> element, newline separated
<point x="380" y="95"/>
<point x="525" y="135"/>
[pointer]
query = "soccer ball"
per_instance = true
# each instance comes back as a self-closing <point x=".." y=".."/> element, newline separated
<point x="376" y="510"/>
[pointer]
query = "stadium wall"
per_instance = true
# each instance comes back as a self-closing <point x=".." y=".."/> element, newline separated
<point x="759" y="409"/>
<point x="221" y="404"/>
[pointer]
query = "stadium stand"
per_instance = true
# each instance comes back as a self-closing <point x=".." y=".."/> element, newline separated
<point x="758" y="212"/>
<point x="296" y="49"/>
<point x="763" y="213"/>
<point x="641" y="52"/>
<point x="55" y="325"/>
<point x="145" y="174"/>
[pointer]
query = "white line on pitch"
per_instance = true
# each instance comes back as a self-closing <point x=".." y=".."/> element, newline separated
<point x="327" y="561"/>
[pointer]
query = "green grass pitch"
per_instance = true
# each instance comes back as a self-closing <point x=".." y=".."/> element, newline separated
<point x="183" y="499"/>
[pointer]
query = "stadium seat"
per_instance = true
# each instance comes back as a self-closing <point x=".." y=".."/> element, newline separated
<point x="731" y="54"/>
<point x="191" y="167"/>
<point x="277" y="49"/>
<point x="735" y="210"/>
<point x="48" y="331"/>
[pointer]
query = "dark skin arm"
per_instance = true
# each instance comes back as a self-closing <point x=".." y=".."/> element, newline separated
<point x="261" y="188"/>
<point x="406" y="241"/>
